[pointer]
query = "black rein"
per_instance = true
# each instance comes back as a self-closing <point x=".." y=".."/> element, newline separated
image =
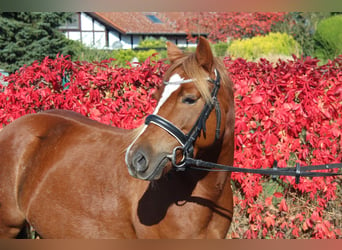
<point x="298" y="171"/>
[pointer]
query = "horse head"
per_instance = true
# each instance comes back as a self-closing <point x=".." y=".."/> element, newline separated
<point x="195" y="106"/>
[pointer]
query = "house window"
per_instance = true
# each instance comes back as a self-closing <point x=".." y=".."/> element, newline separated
<point x="98" y="26"/>
<point x="74" y="35"/>
<point x="86" y="23"/>
<point x="88" y="31"/>
<point x="93" y="32"/>
<point x="154" y="19"/>
<point x="88" y="38"/>
<point x="100" y="40"/>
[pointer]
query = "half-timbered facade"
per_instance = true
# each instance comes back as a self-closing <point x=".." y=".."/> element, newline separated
<point x="115" y="30"/>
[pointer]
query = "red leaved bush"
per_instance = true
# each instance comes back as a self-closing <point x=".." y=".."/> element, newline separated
<point x="117" y="96"/>
<point x="289" y="112"/>
<point x="223" y="25"/>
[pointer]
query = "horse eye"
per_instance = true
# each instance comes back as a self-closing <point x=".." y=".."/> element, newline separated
<point x="189" y="100"/>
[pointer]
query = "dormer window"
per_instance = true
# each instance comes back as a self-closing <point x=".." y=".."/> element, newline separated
<point x="153" y="18"/>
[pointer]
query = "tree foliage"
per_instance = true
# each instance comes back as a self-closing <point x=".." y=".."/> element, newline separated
<point x="302" y="26"/>
<point x="223" y="26"/>
<point x="328" y="37"/>
<point x="29" y="36"/>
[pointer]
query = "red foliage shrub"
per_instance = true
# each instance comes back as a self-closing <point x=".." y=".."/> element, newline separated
<point x="289" y="112"/>
<point x="117" y="96"/>
<point x="221" y="25"/>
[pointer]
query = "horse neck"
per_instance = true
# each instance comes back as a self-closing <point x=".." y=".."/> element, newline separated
<point x="222" y="151"/>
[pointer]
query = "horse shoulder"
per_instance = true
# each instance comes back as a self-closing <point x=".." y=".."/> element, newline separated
<point x="54" y="155"/>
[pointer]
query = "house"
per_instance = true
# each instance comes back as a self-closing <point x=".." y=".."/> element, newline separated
<point x="124" y="30"/>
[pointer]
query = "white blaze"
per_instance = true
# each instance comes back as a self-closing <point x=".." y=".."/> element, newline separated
<point x="168" y="90"/>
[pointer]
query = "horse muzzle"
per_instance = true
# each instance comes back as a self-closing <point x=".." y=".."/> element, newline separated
<point x="142" y="166"/>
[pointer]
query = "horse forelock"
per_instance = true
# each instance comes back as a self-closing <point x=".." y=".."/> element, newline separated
<point x="190" y="67"/>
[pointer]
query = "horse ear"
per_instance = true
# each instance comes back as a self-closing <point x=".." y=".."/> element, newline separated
<point x="173" y="52"/>
<point x="204" y="55"/>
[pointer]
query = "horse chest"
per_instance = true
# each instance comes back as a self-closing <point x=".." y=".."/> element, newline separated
<point x="181" y="220"/>
<point x="157" y="215"/>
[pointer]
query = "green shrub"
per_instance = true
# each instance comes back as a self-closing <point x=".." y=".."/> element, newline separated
<point x="220" y="48"/>
<point x="279" y="44"/>
<point x="142" y="55"/>
<point x="190" y="49"/>
<point x="123" y="56"/>
<point x="159" y="46"/>
<point x="84" y="53"/>
<point x="302" y="26"/>
<point x="328" y="36"/>
<point x="152" y="42"/>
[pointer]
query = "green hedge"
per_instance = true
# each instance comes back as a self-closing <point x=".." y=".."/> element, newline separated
<point x="220" y="48"/>
<point x="302" y="26"/>
<point x="269" y="46"/>
<point x="151" y="42"/>
<point x="328" y="36"/>
<point x="84" y="53"/>
<point x="122" y="56"/>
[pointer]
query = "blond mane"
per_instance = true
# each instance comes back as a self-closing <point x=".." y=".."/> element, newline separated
<point x="188" y="63"/>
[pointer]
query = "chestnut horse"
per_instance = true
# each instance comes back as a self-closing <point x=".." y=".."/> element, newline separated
<point x="65" y="174"/>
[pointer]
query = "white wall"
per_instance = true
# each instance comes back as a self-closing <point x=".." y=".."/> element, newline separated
<point x="93" y="34"/>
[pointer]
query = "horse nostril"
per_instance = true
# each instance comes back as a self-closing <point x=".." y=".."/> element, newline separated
<point x="139" y="162"/>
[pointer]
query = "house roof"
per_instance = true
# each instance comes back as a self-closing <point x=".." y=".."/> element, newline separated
<point x="141" y="23"/>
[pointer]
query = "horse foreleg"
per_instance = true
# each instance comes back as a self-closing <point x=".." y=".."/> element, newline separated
<point x="11" y="222"/>
<point x="222" y="215"/>
<point x="11" y="218"/>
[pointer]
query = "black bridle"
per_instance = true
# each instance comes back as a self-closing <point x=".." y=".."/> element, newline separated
<point x="187" y="140"/>
<point x="187" y="144"/>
